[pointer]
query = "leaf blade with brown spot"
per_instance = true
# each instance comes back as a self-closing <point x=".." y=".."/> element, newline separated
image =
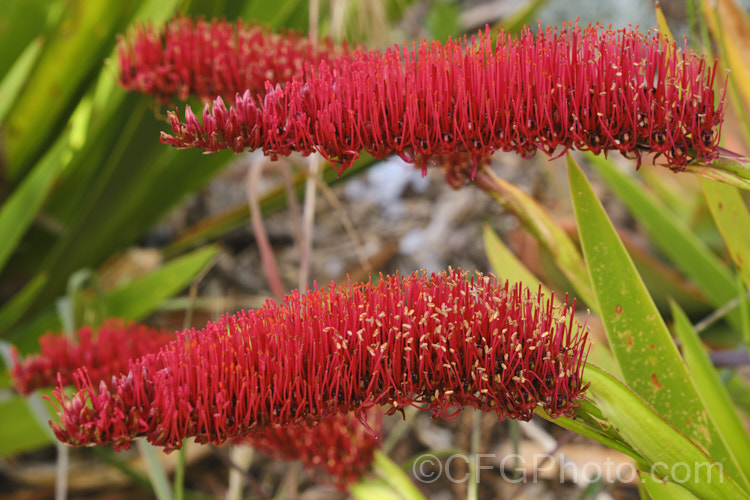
<point x="638" y="336"/>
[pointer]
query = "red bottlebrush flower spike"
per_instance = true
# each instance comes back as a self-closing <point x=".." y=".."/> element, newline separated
<point x="105" y="352"/>
<point x="439" y="342"/>
<point x="585" y="88"/>
<point x="186" y="57"/>
<point x="340" y="445"/>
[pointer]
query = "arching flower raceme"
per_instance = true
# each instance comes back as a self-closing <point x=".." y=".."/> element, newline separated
<point x="585" y="88"/>
<point x="185" y="57"/>
<point x="440" y="342"/>
<point x="105" y="352"/>
<point x="340" y="445"/>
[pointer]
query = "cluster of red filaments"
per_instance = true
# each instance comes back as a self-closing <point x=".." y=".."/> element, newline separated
<point x="587" y="88"/>
<point x="340" y="445"/>
<point x="439" y="342"/>
<point x="105" y="352"/>
<point x="186" y="57"/>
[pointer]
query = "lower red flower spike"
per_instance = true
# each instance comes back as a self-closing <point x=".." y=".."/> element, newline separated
<point x="590" y="88"/>
<point x="340" y="446"/>
<point x="439" y="342"/>
<point x="105" y="351"/>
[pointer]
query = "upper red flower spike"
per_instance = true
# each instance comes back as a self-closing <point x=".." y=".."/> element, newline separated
<point x="340" y="445"/>
<point x="586" y="88"/>
<point x="105" y="352"/>
<point x="439" y="342"/>
<point x="187" y="57"/>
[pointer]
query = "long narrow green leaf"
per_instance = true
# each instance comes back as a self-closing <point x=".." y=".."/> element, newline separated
<point x="20" y="430"/>
<point x="657" y="489"/>
<point x="155" y="470"/>
<point x="739" y="390"/>
<point x="744" y="308"/>
<point x="579" y="426"/>
<point x="156" y="11"/>
<point x="22" y="22"/>
<point x="733" y="220"/>
<point x="678" y="193"/>
<point x="713" y="393"/>
<point x="505" y="264"/>
<point x="395" y="477"/>
<point x="14" y="309"/>
<point x="84" y="36"/>
<point x="730" y="26"/>
<point x="135" y="300"/>
<point x="143" y="295"/>
<point x="666" y="450"/>
<point x="133" y="182"/>
<point x="664" y="281"/>
<point x="731" y="173"/>
<point x="373" y="489"/>
<point x="24" y="204"/>
<point x="276" y="14"/>
<point x="649" y="360"/>
<point x="541" y="224"/>
<point x="677" y="241"/>
<point x="13" y="81"/>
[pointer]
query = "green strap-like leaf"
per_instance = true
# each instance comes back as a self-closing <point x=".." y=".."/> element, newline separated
<point x="733" y="220"/>
<point x="155" y="470"/>
<point x="20" y="430"/>
<point x="373" y="489"/>
<point x="638" y="337"/>
<point x="14" y="309"/>
<point x="547" y="231"/>
<point x="17" y="214"/>
<point x="668" y="452"/>
<point x="133" y="301"/>
<point x="392" y="474"/>
<point x="142" y="296"/>
<point x="677" y="241"/>
<point x="713" y="393"/>
<point x="505" y="264"/>
<point x="658" y="489"/>
<point x="739" y="390"/>
<point x="83" y="37"/>
<point x="585" y="428"/>
<point x="13" y="81"/>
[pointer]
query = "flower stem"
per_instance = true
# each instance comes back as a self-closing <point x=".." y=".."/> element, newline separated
<point x="270" y="267"/>
<point x="242" y="457"/>
<point x="476" y="436"/>
<point x="61" y="472"/>
<point x="179" y="475"/>
<point x="308" y="217"/>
